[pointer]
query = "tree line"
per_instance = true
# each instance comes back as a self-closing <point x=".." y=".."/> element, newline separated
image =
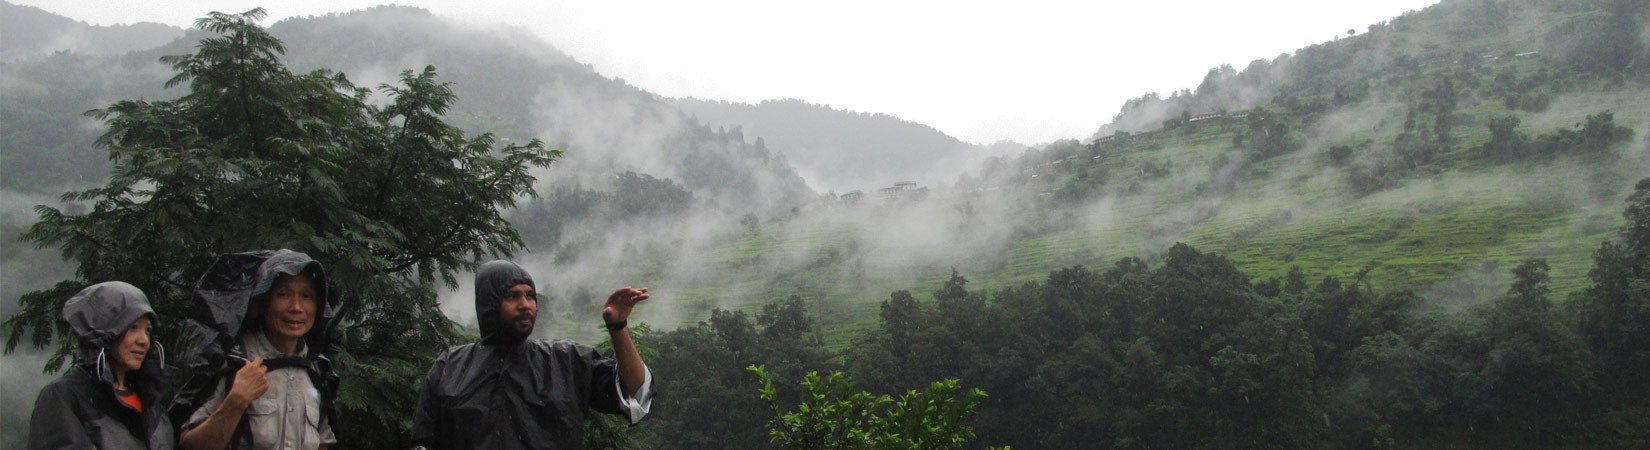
<point x="1193" y="353"/>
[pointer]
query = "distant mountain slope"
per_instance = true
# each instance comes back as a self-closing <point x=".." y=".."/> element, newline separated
<point x="839" y="150"/>
<point x="511" y="82"/>
<point x="1427" y="153"/>
<point x="621" y="144"/>
<point x="1605" y="37"/>
<point x="508" y="82"/>
<point x="1386" y="155"/>
<point x="29" y="31"/>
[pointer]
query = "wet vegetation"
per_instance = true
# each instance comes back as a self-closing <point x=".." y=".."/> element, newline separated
<point x="1430" y="233"/>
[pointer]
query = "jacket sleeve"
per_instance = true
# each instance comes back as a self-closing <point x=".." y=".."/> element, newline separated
<point x="55" y="423"/>
<point x="635" y="408"/>
<point x="426" y="429"/>
<point x="206" y="409"/>
<point x="606" y="395"/>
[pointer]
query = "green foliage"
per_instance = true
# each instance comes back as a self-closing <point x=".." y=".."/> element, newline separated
<point x="1614" y="313"/>
<point x="613" y="432"/>
<point x="1443" y="98"/>
<point x="1179" y="349"/>
<point x="1593" y="135"/>
<point x="1190" y="352"/>
<point x="632" y="198"/>
<point x="1340" y="154"/>
<point x="832" y="415"/>
<point x="1270" y="134"/>
<point x="1190" y="355"/>
<point x="1528" y="346"/>
<point x="1157" y="357"/>
<point x="705" y="365"/>
<point x="45" y="139"/>
<point x="1506" y="142"/>
<point x="390" y="198"/>
<point x="1176" y="351"/>
<point x="1604" y="42"/>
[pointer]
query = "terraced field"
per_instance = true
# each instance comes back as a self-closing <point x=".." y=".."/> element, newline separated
<point x="1447" y="234"/>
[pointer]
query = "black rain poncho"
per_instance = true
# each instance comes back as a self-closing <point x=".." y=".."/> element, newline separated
<point x="81" y="410"/>
<point x="229" y="298"/>
<point x="507" y="392"/>
<point x="228" y="301"/>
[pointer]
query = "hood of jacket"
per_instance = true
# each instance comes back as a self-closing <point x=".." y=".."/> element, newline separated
<point x="99" y="315"/>
<point x="493" y="281"/>
<point x="285" y="262"/>
<point x="233" y="294"/>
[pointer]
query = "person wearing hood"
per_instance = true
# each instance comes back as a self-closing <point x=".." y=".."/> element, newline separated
<point x="275" y="394"/>
<point x="510" y="392"/>
<point x="109" y="397"/>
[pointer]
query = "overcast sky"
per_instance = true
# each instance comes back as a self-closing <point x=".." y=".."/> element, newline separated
<point x="1028" y="71"/>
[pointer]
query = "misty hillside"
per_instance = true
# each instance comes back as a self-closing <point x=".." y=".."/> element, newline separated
<point x="520" y="87"/>
<point x="842" y="151"/>
<point x="30" y="31"/>
<point x="1427" y="233"/>
<point x="1425" y="153"/>
<point x="508" y="83"/>
<point x="1370" y="154"/>
<point x="1343" y="157"/>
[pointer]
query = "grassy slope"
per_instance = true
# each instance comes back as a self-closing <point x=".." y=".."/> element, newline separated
<point x="1460" y="218"/>
<point x="1416" y="236"/>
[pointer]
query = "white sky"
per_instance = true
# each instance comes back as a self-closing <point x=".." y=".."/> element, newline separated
<point x="1031" y="71"/>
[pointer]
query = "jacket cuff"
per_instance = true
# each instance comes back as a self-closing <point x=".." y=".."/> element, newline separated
<point x="636" y="407"/>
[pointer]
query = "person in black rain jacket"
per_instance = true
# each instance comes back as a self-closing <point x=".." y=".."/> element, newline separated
<point x="110" y="398"/>
<point x="509" y="392"/>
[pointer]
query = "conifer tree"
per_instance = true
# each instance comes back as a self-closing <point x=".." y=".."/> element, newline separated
<point x="1614" y="312"/>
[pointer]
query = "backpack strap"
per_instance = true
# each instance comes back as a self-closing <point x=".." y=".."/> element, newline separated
<point x="318" y="367"/>
<point x="326" y="381"/>
<point x="243" y="430"/>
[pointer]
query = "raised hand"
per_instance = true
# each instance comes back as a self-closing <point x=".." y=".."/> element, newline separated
<point x="620" y="304"/>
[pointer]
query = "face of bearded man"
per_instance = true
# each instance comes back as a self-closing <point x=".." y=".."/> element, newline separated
<point x="518" y="310"/>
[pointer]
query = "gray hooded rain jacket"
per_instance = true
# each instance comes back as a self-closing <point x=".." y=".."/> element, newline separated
<point x="81" y="410"/>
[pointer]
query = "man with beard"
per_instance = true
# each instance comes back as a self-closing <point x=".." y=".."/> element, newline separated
<point x="508" y="392"/>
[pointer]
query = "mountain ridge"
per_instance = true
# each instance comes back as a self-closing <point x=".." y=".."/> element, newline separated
<point x="27" y="31"/>
<point x="844" y="150"/>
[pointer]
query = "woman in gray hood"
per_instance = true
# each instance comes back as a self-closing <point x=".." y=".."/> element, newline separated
<point x="110" y="398"/>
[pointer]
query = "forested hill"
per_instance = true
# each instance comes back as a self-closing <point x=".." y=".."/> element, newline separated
<point x="1426" y="153"/>
<point x="1476" y="43"/>
<point x="29" y="31"/>
<point x="843" y="151"/>
<point x="1421" y="151"/>
<point x="515" y="84"/>
<point x="1430" y="233"/>
<point x="508" y="81"/>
